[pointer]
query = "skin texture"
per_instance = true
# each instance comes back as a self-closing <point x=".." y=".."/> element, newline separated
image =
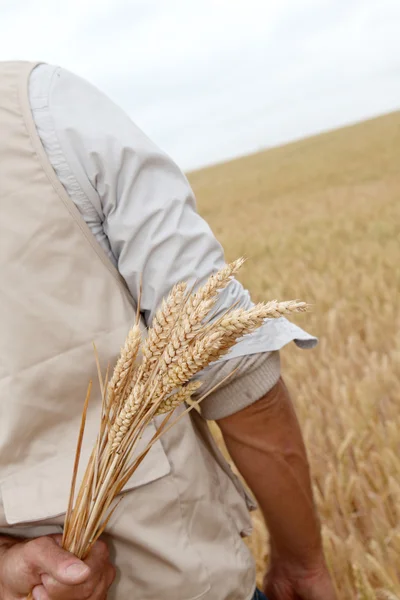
<point x="266" y="444"/>
<point x="52" y="573"/>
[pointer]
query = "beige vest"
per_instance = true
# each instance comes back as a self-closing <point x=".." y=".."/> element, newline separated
<point x="178" y="533"/>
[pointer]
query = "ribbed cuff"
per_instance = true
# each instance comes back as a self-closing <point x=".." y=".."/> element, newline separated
<point x="243" y="390"/>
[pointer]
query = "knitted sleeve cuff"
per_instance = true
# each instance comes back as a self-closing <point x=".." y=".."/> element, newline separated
<point x="245" y="389"/>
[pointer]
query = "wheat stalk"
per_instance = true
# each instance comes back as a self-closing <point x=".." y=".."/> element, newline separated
<point x="180" y="343"/>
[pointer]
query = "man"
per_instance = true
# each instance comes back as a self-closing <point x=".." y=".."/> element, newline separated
<point x="88" y="206"/>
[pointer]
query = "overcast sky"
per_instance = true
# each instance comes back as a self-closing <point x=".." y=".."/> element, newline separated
<point x="213" y="79"/>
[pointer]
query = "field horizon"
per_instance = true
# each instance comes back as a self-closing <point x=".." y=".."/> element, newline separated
<point x="319" y="220"/>
<point x="307" y="138"/>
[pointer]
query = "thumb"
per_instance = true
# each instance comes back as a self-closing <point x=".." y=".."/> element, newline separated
<point x="45" y="556"/>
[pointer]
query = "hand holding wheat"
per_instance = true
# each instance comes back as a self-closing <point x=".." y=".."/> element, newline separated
<point x="182" y="341"/>
<point x="41" y="565"/>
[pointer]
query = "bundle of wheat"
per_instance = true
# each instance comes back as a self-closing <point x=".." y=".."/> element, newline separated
<point x="184" y="338"/>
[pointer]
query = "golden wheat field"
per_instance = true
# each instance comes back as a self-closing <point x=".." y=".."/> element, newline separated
<point x="319" y="220"/>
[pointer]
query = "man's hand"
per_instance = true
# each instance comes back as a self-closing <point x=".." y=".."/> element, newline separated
<point x="284" y="582"/>
<point x="52" y="573"/>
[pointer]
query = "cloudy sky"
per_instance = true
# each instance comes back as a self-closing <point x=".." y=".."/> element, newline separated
<point x="213" y="79"/>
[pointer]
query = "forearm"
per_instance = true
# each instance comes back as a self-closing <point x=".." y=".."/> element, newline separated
<point x="265" y="442"/>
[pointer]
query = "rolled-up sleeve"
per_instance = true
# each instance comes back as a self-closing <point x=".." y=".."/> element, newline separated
<point x="148" y="213"/>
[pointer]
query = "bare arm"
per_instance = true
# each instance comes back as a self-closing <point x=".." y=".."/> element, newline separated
<point x="266" y="444"/>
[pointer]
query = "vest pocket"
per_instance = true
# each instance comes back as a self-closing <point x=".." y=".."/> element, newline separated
<point x="40" y="492"/>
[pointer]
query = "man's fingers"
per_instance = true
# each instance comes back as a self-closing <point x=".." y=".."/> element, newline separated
<point x="40" y="565"/>
<point x="101" y="576"/>
<point x="39" y="593"/>
<point x="58" y="591"/>
<point x="99" y="559"/>
<point x="99" y="555"/>
<point x="44" y="556"/>
<point x="110" y="575"/>
<point x="92" y="589"/>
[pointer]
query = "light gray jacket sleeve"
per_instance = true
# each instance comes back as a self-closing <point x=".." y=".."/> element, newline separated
<point x="141" y="208"/>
